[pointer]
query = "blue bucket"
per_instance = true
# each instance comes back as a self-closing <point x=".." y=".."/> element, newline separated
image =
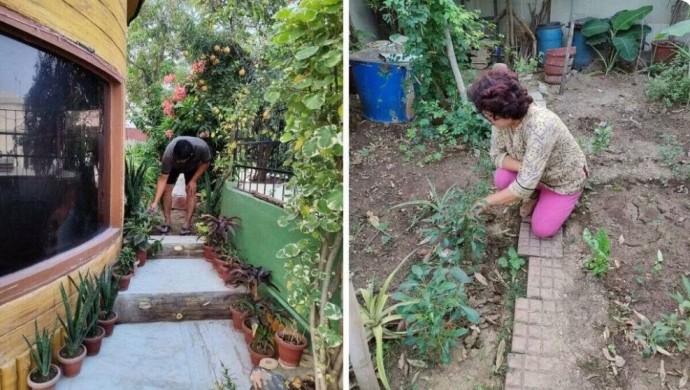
<point x="549" y="36"/>
<point x="381" y="88"/>
<point x="585" y="54"/>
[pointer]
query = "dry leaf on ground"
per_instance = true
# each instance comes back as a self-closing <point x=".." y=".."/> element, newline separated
<point x="480" y="278"/>
<point x="373" y="219"/>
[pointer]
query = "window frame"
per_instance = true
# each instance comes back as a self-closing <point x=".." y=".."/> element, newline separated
<point x="111" y="195"/>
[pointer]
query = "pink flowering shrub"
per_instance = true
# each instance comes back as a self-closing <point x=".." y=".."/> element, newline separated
<point x="168" y="108"/>
<point x="179" y="93"/>
<point x="169" y="78"/>
<point x="198" y="66"/>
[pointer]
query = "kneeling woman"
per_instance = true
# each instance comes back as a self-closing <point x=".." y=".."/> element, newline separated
<point x="537" y="160"/>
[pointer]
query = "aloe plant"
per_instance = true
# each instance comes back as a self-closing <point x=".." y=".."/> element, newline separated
<point x="618" y="36"/>
<point x="108" y="286"/>
<point x="74" y="323"/>
<point x="376" y="318"/>
<point x="41" y="353"/>
<point x="88" y="287"/>
<point x="135" y="183"/>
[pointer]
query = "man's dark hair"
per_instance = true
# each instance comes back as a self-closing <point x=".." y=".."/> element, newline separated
<point x="183" y="150"/>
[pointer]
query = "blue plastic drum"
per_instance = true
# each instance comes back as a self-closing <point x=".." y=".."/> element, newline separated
<point x="382" y="90"/>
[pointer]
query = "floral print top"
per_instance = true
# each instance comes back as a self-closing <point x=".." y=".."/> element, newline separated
<point x="549" y="154"/>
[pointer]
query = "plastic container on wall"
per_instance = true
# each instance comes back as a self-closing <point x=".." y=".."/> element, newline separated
<point x="382" y="88"/>
<point x="549" y="36"/>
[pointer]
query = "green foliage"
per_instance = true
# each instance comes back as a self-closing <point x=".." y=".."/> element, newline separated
<point x="308" y="48"/>
<point x="601" y="139"/>
<point x="126" y="260"/>
<point x="600" y="245"/>
<point x="211" y="193"/>
<point x="683" y="300"/>
<point x="377" y="318"/>
<point x="651" y="336"/>
<point x="617" y="37"/>
<point x="108" y="286"/>
<point x="438" y="313"/>
<point x="525" y="66"/>
<point x="458" y="233"/>
<point x="228" y="382"/>
<point x="41" y="353"/>
<point x="671" y="154"/>
<point x="440" y="114"/>
<point x="137" y="228"/>
<point x="671" y="85"/>
<point x="512" y="262"/>
<point x="87" y="288"/>
<point x="74" y="323"/>
<point x="135" y="186"/>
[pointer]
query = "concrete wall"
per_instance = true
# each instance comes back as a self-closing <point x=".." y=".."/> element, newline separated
<point x="259" y="237"/>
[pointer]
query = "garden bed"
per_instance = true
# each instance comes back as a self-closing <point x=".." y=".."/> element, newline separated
<point x="633" y="193"/>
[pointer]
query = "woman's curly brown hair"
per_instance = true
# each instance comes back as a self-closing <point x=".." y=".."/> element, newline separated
<point x="499" y="92"/>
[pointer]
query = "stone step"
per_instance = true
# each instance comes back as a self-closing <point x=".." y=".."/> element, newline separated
<point x="545" y="279"/>
<point x="179" y="246"/>
<point x="531" y="245"/>
<point x="175" y="290"/>
<point x="186" y="355"/>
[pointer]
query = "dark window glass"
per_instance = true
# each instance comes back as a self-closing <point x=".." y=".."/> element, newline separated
<point x="51" y="142"/>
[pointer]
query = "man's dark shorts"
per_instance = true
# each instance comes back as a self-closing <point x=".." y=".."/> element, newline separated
<point x="174" y="173"/>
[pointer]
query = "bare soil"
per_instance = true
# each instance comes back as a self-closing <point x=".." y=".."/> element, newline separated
<point x="632" y="195"/>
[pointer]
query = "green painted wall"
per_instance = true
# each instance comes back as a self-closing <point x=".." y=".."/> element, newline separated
<point x="259" y="237"/>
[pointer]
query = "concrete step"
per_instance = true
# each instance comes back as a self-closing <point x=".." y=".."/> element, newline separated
<point x="175" y="290"/>
<point x="164" y="355"/>
<point x="179" y="246"/>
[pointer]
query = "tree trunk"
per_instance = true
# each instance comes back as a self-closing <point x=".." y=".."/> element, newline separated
<point x="450" y="51"/>
<point x="360" y="358"/>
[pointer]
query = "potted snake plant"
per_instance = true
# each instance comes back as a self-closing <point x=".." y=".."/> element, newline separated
<point x="108" y="286"/>
<point x="45" y="375"/>
<point x="72" y="355"/>
<point x="94" y="332"/>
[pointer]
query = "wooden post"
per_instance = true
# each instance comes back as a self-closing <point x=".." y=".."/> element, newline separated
<point x="450" y="51"/>
<point x="360" y="358"/>
<point x="564" y="73"/>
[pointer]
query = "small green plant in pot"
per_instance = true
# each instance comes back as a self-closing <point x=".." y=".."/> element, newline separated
<point x="252" y="277"/>
<point x="239" y="309"/>
<point x="87" y="288"/>
<point x="108" y="286"/>
<point x="262" y="345"/>
<point x="216" y="230"/>
<point x="137" y="235"/>
<point x="124" y="267"/>
<point x="45" y="374"/>
<point x="74" y="323"/>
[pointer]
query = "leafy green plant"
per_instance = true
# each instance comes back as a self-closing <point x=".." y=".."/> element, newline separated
<point x="439" y="314"/>
<point x="377" y="318"/>
<point x="228" y="382"/>
<point x="217" y="230"/>
<point x="602" y="137"/>
<point x="600" y="245"/>
<point x="617" y="37"/>
<point x="108" y="286"/>
<point x="211" y="192"/>
<point x="512" y="262"/>
<point x="137" y="228"/>
<point x="40" y="354"/>
<point x="671" y="84"/>
<point x="126" y="260"/>
<point x="658" y="264"/>
<point x="459" y="234"/>
<point x="683" y="300"/>
<point x="309" y="49"/>
<point x="88" y="288"/>
<point x="651" y="336"/>
<point x="74" y="323"/>
<point x="135" y="186"/>
<point x="525" y="66"/>
<point x="671" y="153"/>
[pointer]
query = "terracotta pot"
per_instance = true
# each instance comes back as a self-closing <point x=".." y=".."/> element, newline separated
<point x="208" y="253"/>
<point x="289" y="354"/>
<point x="71" y="366"/>
<point x="555" y="58"/>
<point x="237" y="318"/>
<point x="50" y="385"/>
<point x="663" y="51"/>
<point x="248" y="337"/>
<point x="142" y="256"/>
<point x="93" y="344"/>
<point x="223" y="272"/>
<point x="124" y="281"/>
<point x="217" y="263"/>
<point x="108" y="324"/>
<point x="256" y="356"/>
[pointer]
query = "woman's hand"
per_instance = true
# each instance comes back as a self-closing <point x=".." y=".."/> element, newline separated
<point x="479" y="207"/>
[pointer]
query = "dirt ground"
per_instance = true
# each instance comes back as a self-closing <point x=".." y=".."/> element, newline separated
<point x="632" y="196"/>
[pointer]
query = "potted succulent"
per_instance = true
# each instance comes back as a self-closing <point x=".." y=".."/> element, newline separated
<point x="215" y="231"/>
<point x="137" y="235"/>
<point x="239" y="309"/>
<point x="45" y="374"/>
<point x="73" y="353"/>
<point x="262" y="345"/>
<point x="108" y="287"/>
<point x="94" y="332"/>
<point x="252" y="277"/>
<point x="124" y="268"/>
<point x="291" y="344"/>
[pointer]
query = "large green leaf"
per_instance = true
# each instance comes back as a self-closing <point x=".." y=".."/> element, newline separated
<point x="314" y="100"/>
<point x="597" y="39"/>
<point x="306" y="52"/>
<point x="595" y="26"/>
<point x="627" y="47"/>
<point x="679" y="29"/>
<point x="636" y="31"/>
<point x="624" y="19"/>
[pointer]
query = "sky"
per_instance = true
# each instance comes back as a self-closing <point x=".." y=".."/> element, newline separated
<point x="17" y="71"/>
